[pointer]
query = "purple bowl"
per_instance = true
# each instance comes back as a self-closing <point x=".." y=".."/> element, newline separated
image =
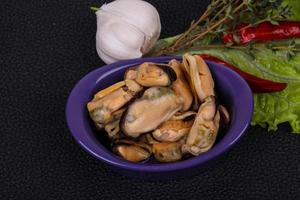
<point x="232" y="91"/>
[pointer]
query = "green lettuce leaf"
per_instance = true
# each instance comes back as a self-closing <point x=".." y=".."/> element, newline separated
<point x="295" y="7"/>
<point x="270" y="109"/>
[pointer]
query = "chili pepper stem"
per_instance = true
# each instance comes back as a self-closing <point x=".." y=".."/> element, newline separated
<point x="93" y="8"/>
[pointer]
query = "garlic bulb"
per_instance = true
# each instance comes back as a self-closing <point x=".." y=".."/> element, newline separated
<point x="126" y="29"/>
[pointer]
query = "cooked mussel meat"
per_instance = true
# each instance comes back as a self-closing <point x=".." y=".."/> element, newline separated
<point x="131" y="73"/>
<point x="113" y="128"/>
<point x="201" y="80"/>
<point x="157" y="105"/>
<point x="180" y="86"/>
<point x="151" y="74"/>
<point x="205" y="128"/>
<point x="167" y="152"/>
<point x="173" y="130"/>
<point x="132" y="150"/>
<point x="109" y="100"/>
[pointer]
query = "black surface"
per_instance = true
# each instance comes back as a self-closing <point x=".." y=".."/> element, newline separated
<point x="45" y="48"/>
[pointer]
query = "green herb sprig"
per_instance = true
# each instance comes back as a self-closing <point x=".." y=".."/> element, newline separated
<point x="222" y="15"/>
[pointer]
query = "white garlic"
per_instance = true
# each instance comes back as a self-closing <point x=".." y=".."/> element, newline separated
<point x="126" y="29"/>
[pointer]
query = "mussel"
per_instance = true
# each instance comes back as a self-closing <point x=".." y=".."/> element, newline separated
<point x="132" y="151"/>
<point x="157" y="105"/>
<point x="151" y="74"/>
<point x="167" y="152"/>
<point x="180" y="86"/>
<point x="113" y="128"/>
<point x="205" y="128"/>
<point x="131" y="73"/>
<point x="108" y="101"/>
<point x="173" y="130"/>
<point x="201" y="80"/>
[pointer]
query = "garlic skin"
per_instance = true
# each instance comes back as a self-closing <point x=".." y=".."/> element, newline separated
<point x="126" y="29"/>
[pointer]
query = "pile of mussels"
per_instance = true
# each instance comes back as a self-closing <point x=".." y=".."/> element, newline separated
<point x="168" y="110"/>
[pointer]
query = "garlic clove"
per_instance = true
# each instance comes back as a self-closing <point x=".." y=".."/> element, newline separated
<point x="117" y="27"/>
<point x="136" y="12"/>
<point x="120" y="40"/>
<point x="126" y="29"/>
<point x="106" y="58"/>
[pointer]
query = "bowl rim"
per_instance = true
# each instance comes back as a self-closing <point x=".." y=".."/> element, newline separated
<point x="108" y="157"/>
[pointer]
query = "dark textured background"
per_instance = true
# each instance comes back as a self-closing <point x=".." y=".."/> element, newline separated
<point x="45" y="48"/>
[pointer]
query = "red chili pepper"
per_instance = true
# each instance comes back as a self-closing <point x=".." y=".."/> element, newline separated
<point x="257" y="85"/>
<point x="264" y="32"/>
